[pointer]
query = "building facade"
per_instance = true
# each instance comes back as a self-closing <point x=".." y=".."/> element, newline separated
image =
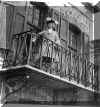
<point x="73" y="80"/>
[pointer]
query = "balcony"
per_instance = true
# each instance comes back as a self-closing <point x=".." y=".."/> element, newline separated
<point x="59" y="69"/>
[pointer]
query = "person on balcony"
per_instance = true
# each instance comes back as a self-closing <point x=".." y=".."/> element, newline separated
<point x="51" y="33"/>
<point x="50" y="44"/>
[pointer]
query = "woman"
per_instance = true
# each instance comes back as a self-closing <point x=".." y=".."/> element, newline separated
<point x="50" y="35"/>
<point x="50" y="40"/>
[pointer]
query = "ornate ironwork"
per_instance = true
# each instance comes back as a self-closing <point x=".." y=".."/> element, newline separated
<point x="42" y="53"/>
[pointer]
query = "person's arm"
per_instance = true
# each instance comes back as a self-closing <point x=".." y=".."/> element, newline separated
<point x="41" y="33"/>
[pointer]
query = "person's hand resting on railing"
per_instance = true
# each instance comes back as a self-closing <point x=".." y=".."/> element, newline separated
<point x="57" y="47"/>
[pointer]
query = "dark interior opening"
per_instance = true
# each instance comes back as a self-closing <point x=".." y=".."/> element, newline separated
<point x="74" y="29"/>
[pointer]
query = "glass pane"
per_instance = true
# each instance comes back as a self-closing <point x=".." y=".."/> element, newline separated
<point x="75" y="41"/>
<point x="36" y="17"/>
<point x="2" y="27"/>
<point x="79" y="43"/>
<point x="63" y="29"/>
<point x="57" y="18"/>
<point x="86" y="45"/>
<point x="30" y="14"/>
<point x="19" y="24"/>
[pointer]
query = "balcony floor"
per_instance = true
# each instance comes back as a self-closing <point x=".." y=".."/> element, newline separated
<point x="44" y="78"/>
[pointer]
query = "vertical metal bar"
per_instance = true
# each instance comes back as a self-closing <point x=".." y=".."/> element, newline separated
<point x="97" y="80"/>
<point x="68" y="35"/>
<point x="58" y="62"/>
<point x="60" y="21"/>
<point x="4" y="57"/>
<point x="41" y="49"/>
<point x="69" y="65"/>
<point x="78" y="72"/>
<point x="62" y="55"/>
<point x="85" y="80"/>
<point x="65" y="62"/>
<point x="61" y="62"/>
<point x="52" y="56"/>
<point x="69" y="54"/>
<point x="17" y="39"/>
<point x="20" y="47"/>
<point x="25" y="44"/>
<point x="47" y="47"/>
<point x="5" y="63"/>
<point x="30" y="51"/>
<point x="88" y="74"/>
<point x="47" y="42"/>
<point x="80" y="66"/>
<point x="93" y="75"/>
<point x="74" y="66"/>
<point x="81" y="60"/>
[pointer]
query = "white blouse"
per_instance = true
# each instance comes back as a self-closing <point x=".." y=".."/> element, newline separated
<point x="51" y="35"/>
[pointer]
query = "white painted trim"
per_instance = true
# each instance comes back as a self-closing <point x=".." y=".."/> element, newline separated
<point x="11" y="68"/>
<point x="62" y="79"/>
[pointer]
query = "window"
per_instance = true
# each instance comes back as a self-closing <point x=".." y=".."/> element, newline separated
<point x="86" y="45"/>
<point x="36" y="15"/>
<point x="3" y="27"/>
<point x="64" y="32"/>
<point x="19" y="23"/>
<point x="75" y="38"/>
<point x="57" y="18"/>
<point x="72" y="40"/>
<point x="30" y="14"/>
<point x="63" y="29"/>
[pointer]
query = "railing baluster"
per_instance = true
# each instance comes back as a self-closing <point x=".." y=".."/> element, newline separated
<point x="59" y="59"/>
<point x="52" y="50"/>
<point x="61" y="63"/>
<point x="92" y="76"/>
<point x="64" y="63"/>
<point x="30" y="50"/>
<point x="78" y="72"/>
<point x="17" y="39"/>
<point x="70" y="64"/>
<point x="41" y="63"/>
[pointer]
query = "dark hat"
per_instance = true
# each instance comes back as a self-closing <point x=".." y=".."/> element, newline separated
<point x="51" y="20"/>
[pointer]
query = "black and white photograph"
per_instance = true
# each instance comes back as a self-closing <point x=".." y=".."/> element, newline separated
<point x="50" y="53"/>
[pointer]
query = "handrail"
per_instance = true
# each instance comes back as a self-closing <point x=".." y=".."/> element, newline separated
<point x="71" y="65"/>
<point x="60" y="46"/>
<point x="30" y="31"/>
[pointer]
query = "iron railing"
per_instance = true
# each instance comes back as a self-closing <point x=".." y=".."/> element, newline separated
<point x="42" y="53"/>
